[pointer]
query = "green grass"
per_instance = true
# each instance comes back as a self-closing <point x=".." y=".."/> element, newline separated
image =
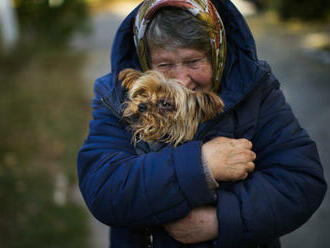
<point x="44" y="116"/>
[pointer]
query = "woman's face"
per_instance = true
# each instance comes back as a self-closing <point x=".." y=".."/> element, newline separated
<point x="190" y="66"/>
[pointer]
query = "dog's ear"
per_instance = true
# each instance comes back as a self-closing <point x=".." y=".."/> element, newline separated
<point x="209" y="104"/>
<point x="128" y="77"/>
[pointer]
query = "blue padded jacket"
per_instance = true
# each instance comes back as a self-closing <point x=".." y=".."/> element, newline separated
<point x="137" y="192"/>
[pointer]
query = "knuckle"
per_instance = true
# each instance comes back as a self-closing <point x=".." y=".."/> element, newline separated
<point x="247" y="143"/>
<point x="248" y="153"/>
<point x="251" y="166"/>
<point x="220" y="138"/>
<point x="245" y="155"/>
<point x="244" y="140"/>
<point x="242" y="169"/>
<point x="242" y="175"/>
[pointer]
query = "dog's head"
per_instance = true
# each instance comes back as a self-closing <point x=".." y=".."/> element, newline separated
<point x="163" y="110"/>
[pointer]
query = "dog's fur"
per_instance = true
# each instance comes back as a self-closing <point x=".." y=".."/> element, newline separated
<point x="163" y="110"/>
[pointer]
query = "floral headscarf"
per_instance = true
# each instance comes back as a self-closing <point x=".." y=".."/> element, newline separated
<point x="204" y="10"/>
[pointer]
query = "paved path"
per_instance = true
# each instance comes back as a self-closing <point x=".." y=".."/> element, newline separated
<point x="304" y="75"/>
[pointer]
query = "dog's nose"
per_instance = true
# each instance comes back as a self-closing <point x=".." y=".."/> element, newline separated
<point x="142" y="107"/>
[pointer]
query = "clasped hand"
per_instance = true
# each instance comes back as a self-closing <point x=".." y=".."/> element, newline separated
<point x="229" y="160"/>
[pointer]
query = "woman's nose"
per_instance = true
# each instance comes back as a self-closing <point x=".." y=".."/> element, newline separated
<point x="182" y="75"/>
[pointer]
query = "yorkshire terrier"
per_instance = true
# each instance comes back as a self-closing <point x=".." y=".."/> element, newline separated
<point x="162" y="110"/>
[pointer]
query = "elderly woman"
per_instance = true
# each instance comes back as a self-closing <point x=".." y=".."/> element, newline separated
<point x="249" y="176"/>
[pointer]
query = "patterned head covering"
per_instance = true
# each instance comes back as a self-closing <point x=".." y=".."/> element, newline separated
<point x="204" y="10"/>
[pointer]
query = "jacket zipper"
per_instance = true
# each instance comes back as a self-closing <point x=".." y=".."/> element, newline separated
<point x="109" y="106"/>
<point x="148" y="239"/>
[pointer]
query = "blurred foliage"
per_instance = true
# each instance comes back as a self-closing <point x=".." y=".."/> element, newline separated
<point x="44" y="121"/>
<point x="305" y="10"/>
<point x="53" y="21"/>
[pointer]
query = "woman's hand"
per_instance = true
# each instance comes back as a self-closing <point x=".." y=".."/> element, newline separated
<point x="229" y="159"/>
<point x="200" y="225"/>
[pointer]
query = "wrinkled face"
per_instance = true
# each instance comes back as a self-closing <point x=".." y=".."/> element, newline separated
<point x="191" y="67"/>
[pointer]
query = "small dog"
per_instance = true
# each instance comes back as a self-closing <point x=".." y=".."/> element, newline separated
<point x="163" y="110"/>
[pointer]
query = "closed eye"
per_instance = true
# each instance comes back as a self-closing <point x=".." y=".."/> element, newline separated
<point x="139" y="94"/>
<point x="165" y="66"/>
<point x="194" y="62"/>
<point x="165" y="105"/>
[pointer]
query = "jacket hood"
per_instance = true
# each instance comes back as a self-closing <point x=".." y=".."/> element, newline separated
<point x="242" y="70"/>
<point x="203" y="10"/>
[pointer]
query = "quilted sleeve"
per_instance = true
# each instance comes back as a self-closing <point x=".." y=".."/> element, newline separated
<point x="287" y="186"/>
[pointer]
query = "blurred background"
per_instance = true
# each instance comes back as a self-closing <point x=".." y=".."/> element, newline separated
<point x="51" y="51"/>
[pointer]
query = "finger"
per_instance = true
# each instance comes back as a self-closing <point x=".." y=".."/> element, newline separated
<point x="250" y="167"/>
<point x="245" y="176"/>
<point x="244" y="143"/>
<point x="241" y="176"/>
<point x="241" y="156"/>
<point x="254" y="155"/>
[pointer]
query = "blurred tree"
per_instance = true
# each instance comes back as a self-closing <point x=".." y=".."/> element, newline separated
<point x="52" y="21"/>
<point x="43" y="107"/>
<point x="260" y="4"/>
<point x="8" y="25"/>
<point x="304" y="9"/>
<point x="301" y="9"/>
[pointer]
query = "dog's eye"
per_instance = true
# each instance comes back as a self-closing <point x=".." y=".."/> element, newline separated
<point x="140" y="93"/>
<point x="165" y="105"/>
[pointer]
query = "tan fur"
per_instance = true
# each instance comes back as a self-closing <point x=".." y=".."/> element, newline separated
<point x="173" y="112"/>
